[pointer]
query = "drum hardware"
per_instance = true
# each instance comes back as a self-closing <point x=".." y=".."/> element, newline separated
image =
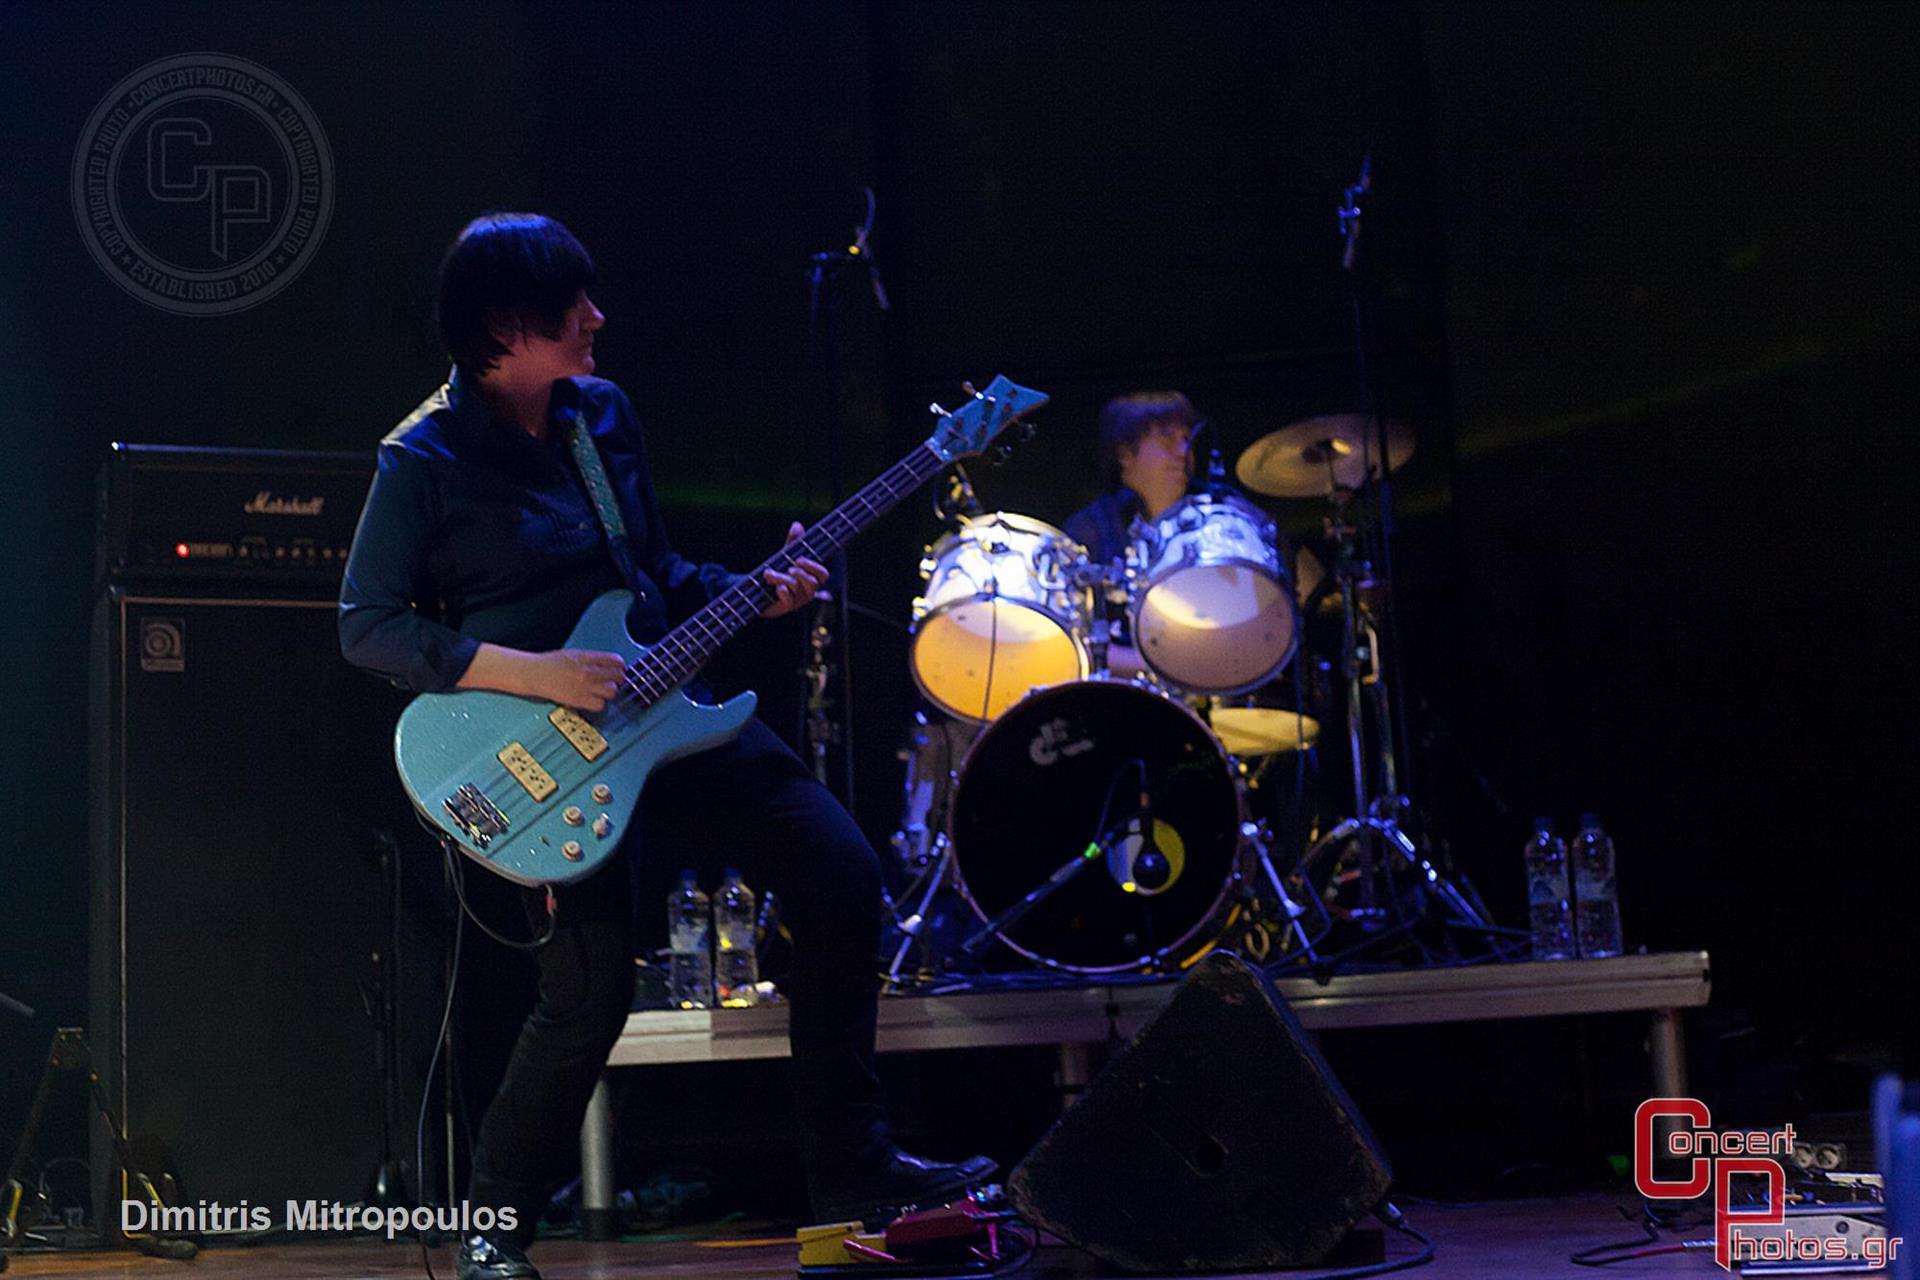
<point x="934" y="747"/>
<point x="821" y="730"/>
<point x="1259" y="841"/>
<point x="955" y="500"/>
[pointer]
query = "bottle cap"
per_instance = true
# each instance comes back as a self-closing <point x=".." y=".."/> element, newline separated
<point x="1589" y="822"/>
<point x="1543" y="826"/>
<point x="689" y="878"/>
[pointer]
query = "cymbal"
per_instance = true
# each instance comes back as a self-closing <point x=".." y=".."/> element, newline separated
<point x="1311" y="458"/>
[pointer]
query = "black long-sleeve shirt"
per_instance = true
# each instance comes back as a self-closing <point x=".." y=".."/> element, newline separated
<point x="475" y="532"/>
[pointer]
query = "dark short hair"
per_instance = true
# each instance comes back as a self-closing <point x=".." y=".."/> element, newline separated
<point x="1127" y="418"/>
<point x="507" y="270"/>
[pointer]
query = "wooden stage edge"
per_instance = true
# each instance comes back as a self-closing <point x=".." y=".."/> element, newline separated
<point x="1087" y="1014"/>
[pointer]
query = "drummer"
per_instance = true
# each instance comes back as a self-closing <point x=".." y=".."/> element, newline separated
<point x="1146" y="465"/>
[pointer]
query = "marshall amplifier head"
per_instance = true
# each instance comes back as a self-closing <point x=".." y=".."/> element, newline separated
<point x="178" y="514"/>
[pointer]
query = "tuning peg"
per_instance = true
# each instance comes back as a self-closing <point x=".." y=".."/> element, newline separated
<point x="968" y="388"/>
<point x="1028" y="429"/>
<point x="999" y="454"/>
<point x="937" y="411"/>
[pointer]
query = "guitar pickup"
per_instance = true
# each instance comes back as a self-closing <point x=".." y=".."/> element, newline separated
<point x="527" y="771"/>
<point x="586" y="739"/>
<point x="478" y="816"/>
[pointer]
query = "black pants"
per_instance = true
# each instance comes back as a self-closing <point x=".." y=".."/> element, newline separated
<point x="749" y="804"/>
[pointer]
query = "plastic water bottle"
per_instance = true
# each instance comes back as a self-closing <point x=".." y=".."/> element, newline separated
<point x="690" y="934"/>
<point x="1548" y="908"/>
<point x="736" y="965"/>
<point x="1595" y="893"/>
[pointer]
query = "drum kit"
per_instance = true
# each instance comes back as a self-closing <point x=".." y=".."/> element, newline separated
<point x="1100" y="821"/>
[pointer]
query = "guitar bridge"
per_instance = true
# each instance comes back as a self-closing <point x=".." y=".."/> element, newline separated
<point x="478" y="816"/>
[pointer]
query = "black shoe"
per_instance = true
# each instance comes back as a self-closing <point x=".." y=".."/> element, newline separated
<point x="484" y="1259"/>
<point x="896" y="1181"/>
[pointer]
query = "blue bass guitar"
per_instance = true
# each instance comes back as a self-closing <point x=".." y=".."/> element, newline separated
<point x="542" y="794"/>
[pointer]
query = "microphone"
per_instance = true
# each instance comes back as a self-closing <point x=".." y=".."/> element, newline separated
<point x="862" y="251"/>
<point x="1150" y="870"/>
<point x="1350" y="211"/>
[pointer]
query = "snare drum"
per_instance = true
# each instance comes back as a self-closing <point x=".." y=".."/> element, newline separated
<point x="1212" y="610"/>
<point x="1002" y="615"/>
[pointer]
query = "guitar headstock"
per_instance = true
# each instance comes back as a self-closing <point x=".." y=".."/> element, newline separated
<point x="969" y="430"/>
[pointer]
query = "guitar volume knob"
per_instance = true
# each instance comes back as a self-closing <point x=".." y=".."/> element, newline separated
<point x="572" y="851"/>
<point x="572" y="816"/>
<point x="602" y="793"/>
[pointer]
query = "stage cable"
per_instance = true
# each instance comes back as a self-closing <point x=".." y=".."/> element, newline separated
<point x="426" y="1091"/>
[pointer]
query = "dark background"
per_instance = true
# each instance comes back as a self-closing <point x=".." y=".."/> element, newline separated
<point x="1639" y="276"/>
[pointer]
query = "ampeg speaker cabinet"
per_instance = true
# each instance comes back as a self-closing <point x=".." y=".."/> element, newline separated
<point x="1216" y="1141"/>
<point x="240" y="773"/>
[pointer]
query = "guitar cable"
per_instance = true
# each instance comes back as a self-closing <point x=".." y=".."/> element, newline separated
<point x="460" y="893"/>
<point x="426" y="1092"/>
<point x="465" y="913"/>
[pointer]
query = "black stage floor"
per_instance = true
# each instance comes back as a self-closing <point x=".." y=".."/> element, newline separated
<point x="1523" y="1238"/>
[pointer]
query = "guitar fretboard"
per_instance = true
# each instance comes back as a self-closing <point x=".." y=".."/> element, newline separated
<point x="685" y="649"/>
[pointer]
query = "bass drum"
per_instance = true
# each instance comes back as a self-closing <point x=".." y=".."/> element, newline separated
<point x="1059" y="777"/>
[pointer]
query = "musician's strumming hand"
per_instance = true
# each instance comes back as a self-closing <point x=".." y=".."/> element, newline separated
<point x="583" y="679"/>
<point x="794" y="589"/>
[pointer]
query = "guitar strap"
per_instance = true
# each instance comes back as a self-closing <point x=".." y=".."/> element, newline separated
<point x="587" y="457"/>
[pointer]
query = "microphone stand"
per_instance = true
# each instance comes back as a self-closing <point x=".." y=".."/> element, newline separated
<point x="1396" y="767"/>
<point x="1018" y="911"/>
<point x="824" y="353"/>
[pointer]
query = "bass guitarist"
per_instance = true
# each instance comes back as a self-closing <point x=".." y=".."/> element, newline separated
<point x="479" y="547"/>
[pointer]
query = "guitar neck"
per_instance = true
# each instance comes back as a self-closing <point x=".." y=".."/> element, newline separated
<point x="685" y="649"/>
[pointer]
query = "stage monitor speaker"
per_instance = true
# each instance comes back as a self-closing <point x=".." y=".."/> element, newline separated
<point x="1217" y="1141"/>
<point x="241" y="774"/>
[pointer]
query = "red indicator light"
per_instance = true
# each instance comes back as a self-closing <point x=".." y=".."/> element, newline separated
<point x="180" y="549"/>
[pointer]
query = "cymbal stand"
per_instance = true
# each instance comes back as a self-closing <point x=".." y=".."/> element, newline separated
<point x="1375" y="819"/>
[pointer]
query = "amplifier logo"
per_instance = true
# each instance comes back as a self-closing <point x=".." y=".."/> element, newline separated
<point x="265" y="503"/>
<point x="163" y="644"/>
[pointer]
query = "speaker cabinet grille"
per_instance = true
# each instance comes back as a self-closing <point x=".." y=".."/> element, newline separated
<point x="240" y="772"/>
